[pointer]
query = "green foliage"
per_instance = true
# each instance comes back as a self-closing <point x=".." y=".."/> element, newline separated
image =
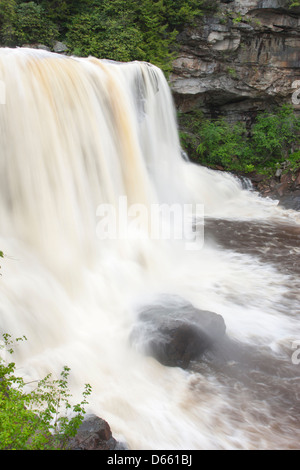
<point x="180" y="12"/>
<point x="224" y="144"/>
<point x="232" y="72"/>
<point x="293" y="161"/>
<point x="237" y="19"/>
<point x="127" y="30"/>
<point x="274" y="133"/>
<point x="293" y="3"/>
<point x="60" y="11"/>
<point x="7" y="22"/>
<point x="36" y="419"/>
<point x="122" y="30"/>
<point x="101" y="35"/>
<point x="31" y="25"/>
<point x="232" y="146"/>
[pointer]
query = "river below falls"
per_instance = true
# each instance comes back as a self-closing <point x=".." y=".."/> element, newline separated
<point x="260" y="385"/>
<point x="243" y="395"/>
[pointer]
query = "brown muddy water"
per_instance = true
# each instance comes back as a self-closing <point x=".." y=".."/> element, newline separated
<point x="260" y="383"/>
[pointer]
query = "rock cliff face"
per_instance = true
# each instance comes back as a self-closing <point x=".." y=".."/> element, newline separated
<point x="243" y="59"/>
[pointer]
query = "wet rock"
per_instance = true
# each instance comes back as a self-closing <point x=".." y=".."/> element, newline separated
<point x="94" y="434"/>
<point x="291" y="201"/>
<point x="43" y="47"/>
<point x="286" y="179"/>
<point x="36" y="46"/>
<point x="60" y="47"/>
<point x="174" y="332"/>
<point x="285" y="187"/>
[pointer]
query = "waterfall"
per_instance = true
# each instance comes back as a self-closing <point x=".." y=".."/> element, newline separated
<point x="79" y="135"/>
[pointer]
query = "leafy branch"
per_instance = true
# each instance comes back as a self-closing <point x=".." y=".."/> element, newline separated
<point x="38" y="419"/>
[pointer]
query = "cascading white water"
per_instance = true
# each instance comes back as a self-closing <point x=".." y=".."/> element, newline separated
<point x="80" y="133"/>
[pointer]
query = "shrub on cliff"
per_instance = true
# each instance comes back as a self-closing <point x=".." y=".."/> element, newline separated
<point x="275" y="134"/>
<point x="224" y="144"/>
<point x="273" y="137"/>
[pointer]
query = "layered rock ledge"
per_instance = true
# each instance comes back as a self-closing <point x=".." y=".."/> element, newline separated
<point x="242" y="60"/>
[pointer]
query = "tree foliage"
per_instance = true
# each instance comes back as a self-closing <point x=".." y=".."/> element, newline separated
<point x="36" y="418"/>
<point x="293" y="3"/>
<point x="102" y="35"/>
<point x="224" y="144"/>
<point x="126" y="30"/>
<point x="272" y="139"/>
<point x="7" y="22"/>
<point x="32" y="26"/>
<point x="120" y="30"/>
<point x="273" y="134"/>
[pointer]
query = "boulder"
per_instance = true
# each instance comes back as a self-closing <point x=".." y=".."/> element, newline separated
<point x="174" y="332"/>
<point x="60" y="47"/>
<point x="93" y="434"/>
<point x="291" y="201"/>
<point x="36" y="46"/>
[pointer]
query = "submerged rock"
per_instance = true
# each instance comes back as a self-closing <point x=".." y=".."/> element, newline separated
<point x="174" y="332"/>
<point x="291" y="201"/>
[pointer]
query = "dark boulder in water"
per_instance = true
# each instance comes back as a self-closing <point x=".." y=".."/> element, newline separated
<point x="94" y="434"/>
<point x="291" y="201"/>
<point x="174" y="332"/>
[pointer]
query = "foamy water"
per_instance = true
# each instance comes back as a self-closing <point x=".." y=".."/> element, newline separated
<point x="79" y="133"/>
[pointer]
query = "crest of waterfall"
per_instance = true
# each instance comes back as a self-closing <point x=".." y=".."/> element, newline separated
<point x="78" y="133"/>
